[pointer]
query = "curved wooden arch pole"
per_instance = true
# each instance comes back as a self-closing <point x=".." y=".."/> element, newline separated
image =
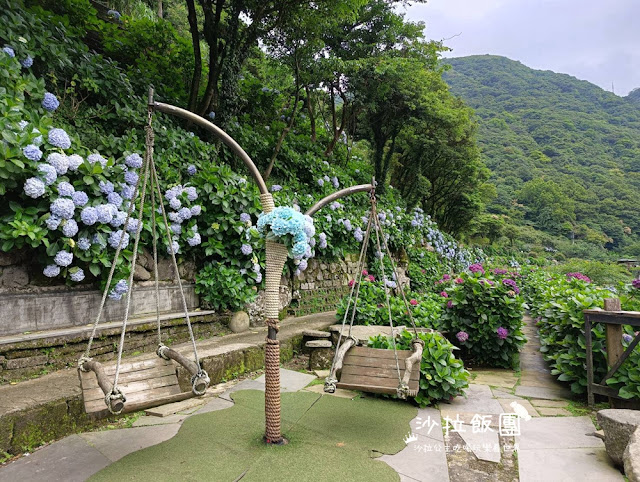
<point x="276" y="257"/>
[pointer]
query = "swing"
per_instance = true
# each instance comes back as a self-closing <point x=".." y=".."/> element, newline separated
<point x="148" y="383"/>
<point x="375" y="370"/>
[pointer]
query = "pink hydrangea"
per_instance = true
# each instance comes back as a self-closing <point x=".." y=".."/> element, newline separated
<point x="449" y="304"/>
<point x="502" y="333"/>
<point x="444" y="294"/>
<point x="462" y="336"/>
<point x="459" y="281"/>
<point x="578" y="276"/>
<point x="413" y="302"/>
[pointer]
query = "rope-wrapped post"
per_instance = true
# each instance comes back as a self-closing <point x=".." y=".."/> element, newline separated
<point x="276" y="257"/>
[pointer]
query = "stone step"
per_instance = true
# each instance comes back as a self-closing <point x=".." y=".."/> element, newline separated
<point x="316" y="334"/>
<point x="318" y="344"/>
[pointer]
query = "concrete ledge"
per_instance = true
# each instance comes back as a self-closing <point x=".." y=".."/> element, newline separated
<point x="50" y="310"/>
<point x="41" y="410"/>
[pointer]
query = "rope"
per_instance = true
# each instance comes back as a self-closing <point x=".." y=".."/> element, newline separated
<point x="386" y="288"/>
<point x="154" y="235"/>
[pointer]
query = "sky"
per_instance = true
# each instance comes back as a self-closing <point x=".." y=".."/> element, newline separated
<point x="594" y="40"/>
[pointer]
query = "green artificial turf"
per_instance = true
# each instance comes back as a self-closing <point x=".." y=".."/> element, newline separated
<point x="330" y="439"/>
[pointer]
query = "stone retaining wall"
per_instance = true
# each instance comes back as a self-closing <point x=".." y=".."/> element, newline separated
<point x="33" y="357"/>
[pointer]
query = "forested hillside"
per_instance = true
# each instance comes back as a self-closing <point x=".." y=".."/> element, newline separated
<point x="564" y="155"/>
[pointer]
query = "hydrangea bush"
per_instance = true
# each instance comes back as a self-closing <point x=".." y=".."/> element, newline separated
<point x="482" y="313"/>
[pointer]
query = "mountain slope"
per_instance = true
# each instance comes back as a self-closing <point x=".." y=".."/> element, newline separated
<point x="569" y="133"/>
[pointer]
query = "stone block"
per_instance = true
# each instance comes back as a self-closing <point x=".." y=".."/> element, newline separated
<point x="631" y="457"/>
<point x="141" y="274"/>
<point x="26" y="362"/>
<point x="14" y="277"/>
<point x="318" y="344"/>
<point x="618" y="426"/>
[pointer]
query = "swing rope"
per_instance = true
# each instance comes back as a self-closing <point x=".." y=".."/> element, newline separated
<point x="200" y="378"/>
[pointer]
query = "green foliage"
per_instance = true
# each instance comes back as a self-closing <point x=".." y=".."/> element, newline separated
<point x="442" y="375"/>
<point x="222" y="287"/>
<point x="372" y="307"/>
<point x="601" y="273"/>
<point x="425" y="268"/>
<point x="482" y="305"/>
<point x="557" y="303"/>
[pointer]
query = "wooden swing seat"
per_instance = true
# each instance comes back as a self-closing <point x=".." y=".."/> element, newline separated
<point x="374" y="370"/>
<point x="145" y="384"/>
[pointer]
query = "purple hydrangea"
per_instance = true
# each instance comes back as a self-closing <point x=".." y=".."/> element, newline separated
<point x="63" y="258"/>
<point x="627" y="338"/>
<point x="9" y="51"/>
<point x="476" y="268"/>
<point x="191" y="170"/>
<point x="119" y="289"/>
<point x="75" y="161"/>
<point x="50" y="102"/>
<point x="59" y="138"/>
<point x="192" y="193"/>
<point x="131" y="178"/>
<point x="195" y="240"/>
<point x="322" y="238"/>
<point x="636" y="284"/>
<point x="335" y="205"/>
<point x="502" y="333"/>
<point x="114" y="239"/>
<point x="579" y="276"/>
<point x="34" y="187"/>
<point x="114" y="198"/>
<point x="51" y="271"/>
<point x="53" y="222"/>
<point x="89" y="216"/>
<point x="70" y="228"/>
<point x="512" y="284"/>
<point x="175" y="203"/>
<point x="59" y="162"/>
<point x="175" y="246"/>
<point x="276" y="188"/>
<point x="127" y="191"/>
<point x="133" y="160"/>
<point x="335" y="182"/>
<point x="27" y="62"/>
<point x="97" y="158"/>
<point x="185" y="213"/>
<point x="84" y="244"/>
<point x="173" y="192"/>
<point x="245" y="218"/>
<point x="106" y="187"/>
<point x="63" y="208"/>
<point x="196" y="210"/>
<point x="175" y="228"/>
<point x="320" y="182"/>
<point x="174" y="217"/>
<point x="65" y="189"/>
<point x="77" y="275"/>
<point x="462" y="336"/>
<point x="347" y="225"/>
<point x="133" y="225"/>
<point x="246" y="249"/>
<point x="118" y="219"/>
<point x="32" y="152"/>
<point x="358" y="235"/>
<point x="105" y="213"/>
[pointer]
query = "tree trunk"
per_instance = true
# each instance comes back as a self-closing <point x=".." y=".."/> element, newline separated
<point x="197" y="55"/>
<point x="160" y="8"/>
<point x="312" y="117"/>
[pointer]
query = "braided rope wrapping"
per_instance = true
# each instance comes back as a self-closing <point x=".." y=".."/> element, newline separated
<point x="109" y="398"/>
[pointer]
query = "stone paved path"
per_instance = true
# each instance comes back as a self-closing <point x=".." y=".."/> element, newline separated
<point x="443" y="445"/>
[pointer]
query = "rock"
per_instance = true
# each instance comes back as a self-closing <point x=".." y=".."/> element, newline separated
<point x="631" y="457"/>
<point x="239" y="322"/>
<point x="165" y="269"/>
<point x="318" y="344"/>
<point x="320" y="358"/>
<point x="618" y="425"/>
<point x="316" y="334"/>
<point x="141" y="274"/>
<point x="187" y="270"/>
<point x="145" y="258"/>
<point x="14" y="277"/>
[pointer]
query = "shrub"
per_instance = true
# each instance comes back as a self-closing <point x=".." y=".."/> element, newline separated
<point x="442" y="375"/>
<point x="223" y="288"/>
<point x="484" y="315"/>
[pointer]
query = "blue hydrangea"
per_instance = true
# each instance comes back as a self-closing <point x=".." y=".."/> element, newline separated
<point x="22" y="124"/>
<point x="175" y="228"/>
<point x="347" y="225"/>
<point x="114" y="13"/>
<point x="127" y="191"/>
<point x="174" y="217"/>
<point x="121" y="287"/>
<point x="106" y="187"/>
<point x="196" y="210"/>
<point x="246" y="249"/>
<point x="191" y="170"/>
<point x="118" y="219"/>
<point x="335" y="205"/>
<point x="175" y="246"/>
<point x="63" y="208"/>
<point x="53" y="222"/>
<point x="51" y="271"/>
<point x="59" y="138"/>
<point x="192" y="194"/>
<point x="185" y="213"/>
<point x="335" y="182"/>
<point x="75" y="161"/>
<point x="59" y="162"/>
<point x="299" y="249"/>
<point x="34" y="187"/>
<point x="133" y="160"/>
<point x="173" y="192"/>
<point x="27" y="62"/>
<point x="9" y="51"/>
<point x="212" y="115"/>
<point x="50" y="102"/>
<point x="106" y="212"/>
<point x="133" y="225"/>
<point x="175" y="203"/>
<point x="320" y="182"/>
<point x="89" y="216"/>
<point x="114" y="239"/>
<point x="256" y="268"/>
<point x="302" y="265"/>
<point x="38" y="140"/>
<point x="326" y="178"/>
<point x="258" y="277"/>
<point x="114" y="198"/>
<point x="77" y="275"/>
<point x="358" y="235"/>
<point x="276" y="188"/>
<point x="63" y="258"/>
<point x="83" y="244"/>
<point x="195" y="240"/>
<point x="70" y="228"/>
<point x="131" y="178"/>
<point x="245" y="218"/>
<point x="80" y="198"/>
<point x="322" y="237"/>
<point x="32" y="152"/>
<point x="65" y="189"/>
<point x="93" y="158"/>
<point x="99" y="240"/>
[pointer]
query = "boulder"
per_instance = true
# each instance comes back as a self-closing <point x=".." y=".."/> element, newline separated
<point x="631" y="457"/>
<point x="165" y="269"/>
<point x="618" y="425"/>
<point x="239" y="322"/>
<point x="141" y="274"/>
